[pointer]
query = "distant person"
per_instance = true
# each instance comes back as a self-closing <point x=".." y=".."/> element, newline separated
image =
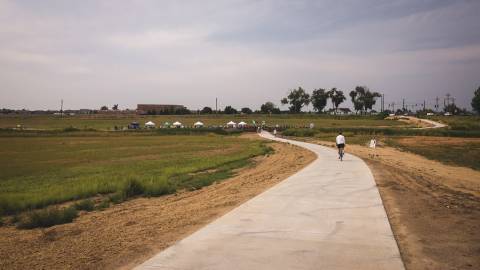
<point x="373" y="145"/>
<point x="340" y="142"/>
<point x="275" y="132"/>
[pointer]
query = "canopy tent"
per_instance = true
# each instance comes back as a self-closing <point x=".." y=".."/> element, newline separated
<point x="177" y="124"/>
<point x="150" y="124"/>
<point x="231" y="124"/>
<point x="242" y="124"/>
<point x="198" y="124"/>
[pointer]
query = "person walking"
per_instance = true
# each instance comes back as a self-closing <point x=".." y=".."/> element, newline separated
<point x="275" y="132"/>
<point x="340" y="142"/>
<point x="373" y="145"/>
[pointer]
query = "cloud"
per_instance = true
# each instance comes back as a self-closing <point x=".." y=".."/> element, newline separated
<point x="157" y="39"/>
<point x="244" y="52"/>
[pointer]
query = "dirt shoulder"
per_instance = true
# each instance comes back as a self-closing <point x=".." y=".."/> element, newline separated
<point x="126" y="234"/>
<point x="434" y="209"/>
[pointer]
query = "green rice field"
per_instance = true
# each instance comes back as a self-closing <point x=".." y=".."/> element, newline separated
<point x="44" y="170"/>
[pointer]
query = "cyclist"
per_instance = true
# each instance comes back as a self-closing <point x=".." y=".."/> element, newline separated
<point x="340" y="141"/>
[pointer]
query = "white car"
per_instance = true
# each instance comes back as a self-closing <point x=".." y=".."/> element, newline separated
<point x="447" y="114"/>
<point x="430" y="114"/>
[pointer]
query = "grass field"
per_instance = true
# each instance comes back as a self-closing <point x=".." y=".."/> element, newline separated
<point x="39" y="171"/>
<point x="459" y="122"/>
<point x="453" y="151"/>
<point x="108" y="122"/>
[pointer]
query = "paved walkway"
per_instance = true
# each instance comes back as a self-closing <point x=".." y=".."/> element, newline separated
<point x="327" y="216"/>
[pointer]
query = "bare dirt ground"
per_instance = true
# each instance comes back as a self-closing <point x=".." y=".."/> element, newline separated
<point x="434" y="209"/>
<point x="126" y="234"/>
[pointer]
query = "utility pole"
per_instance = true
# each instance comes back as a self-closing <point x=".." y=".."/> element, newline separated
<point x="436" y="104"/>
<point x="216" y="105"/>
<point x="403" y="104"/>
<point x="424" y="105"/>
<point x="61" y="108"/>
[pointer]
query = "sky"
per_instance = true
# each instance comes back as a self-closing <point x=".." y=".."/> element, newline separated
<point x="103" y="52"/>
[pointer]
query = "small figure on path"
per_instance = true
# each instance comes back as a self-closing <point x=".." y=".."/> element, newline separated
<point x="275" y="132"/>
<point x="340" y="141"/>
<point x="373" y="145"/>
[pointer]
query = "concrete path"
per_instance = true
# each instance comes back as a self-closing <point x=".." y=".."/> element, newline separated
<point x="327" y="216"/>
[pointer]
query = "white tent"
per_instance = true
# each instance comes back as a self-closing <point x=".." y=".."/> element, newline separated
<point x="198" y="124"/>
<point x="166" y="124"/>
<point x="231" y="124"/>
<point x="177" y="124"/>
<point x="150" y="124"/>
<point x="242" y="124"/>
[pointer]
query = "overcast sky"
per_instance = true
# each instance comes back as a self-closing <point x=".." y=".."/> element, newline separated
<point x="93" y="53"/>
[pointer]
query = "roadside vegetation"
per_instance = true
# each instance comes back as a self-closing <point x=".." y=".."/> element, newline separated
<point x="41" y="172"/>
<point x="470" y="122"/>
<point x="109" y="122"/>
<point x="452" y="151"/>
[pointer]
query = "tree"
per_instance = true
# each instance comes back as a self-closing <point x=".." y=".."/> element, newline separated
<point x="115" y="107"/>
<point x="297" y="98"/>
<point x="370" y="99"/>
<point x="206" y="110"/>
<point x="337" y="97"/>
<point x="319" y="99"/>
<point x="104" y="108"/>
<point x="230" y="110"/>
<point x="476" y="101"/>
<point x="363" y="99"/>
<point x="267" y="107"/>
<point x="246" y="110"/>
<point x="357" y="102"/>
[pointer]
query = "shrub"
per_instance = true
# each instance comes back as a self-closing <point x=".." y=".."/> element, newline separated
<point x="159" y="188"/>
<point x="85" y="205"/>
<point x="103" y="205"/>
<point x="117" y="197"/>
<point x="133" y="188"/>
<point x="48" y="217"/>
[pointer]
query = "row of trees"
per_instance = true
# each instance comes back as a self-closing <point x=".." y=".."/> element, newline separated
<point x="362" y="98"/>
<point x="267" y="108"/>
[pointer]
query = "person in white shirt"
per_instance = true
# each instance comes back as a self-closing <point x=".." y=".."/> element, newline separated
<point x="340" y="141"/>
<point x="373" y="145"/>
<point x="275" y="132"/>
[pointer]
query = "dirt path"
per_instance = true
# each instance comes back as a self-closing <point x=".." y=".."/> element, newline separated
<point x="127" y="234"/>
<point x="434" y="208"/>
<point x="420" y="122"/>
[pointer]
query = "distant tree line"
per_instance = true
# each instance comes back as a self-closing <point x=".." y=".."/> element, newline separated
<point x="362" y="98"/>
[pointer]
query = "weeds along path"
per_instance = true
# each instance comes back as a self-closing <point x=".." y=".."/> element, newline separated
<point x="327" y="216"/>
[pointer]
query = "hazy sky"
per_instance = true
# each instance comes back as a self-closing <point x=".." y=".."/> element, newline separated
<point x="93" y="53"/>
